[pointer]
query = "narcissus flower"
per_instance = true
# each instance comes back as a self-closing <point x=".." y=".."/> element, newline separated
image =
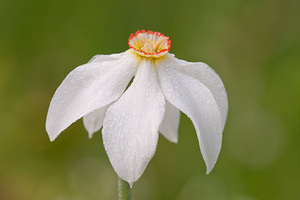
<point x="133" y="118"/>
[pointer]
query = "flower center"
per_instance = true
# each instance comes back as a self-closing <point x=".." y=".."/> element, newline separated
<point x="149" y="44"/>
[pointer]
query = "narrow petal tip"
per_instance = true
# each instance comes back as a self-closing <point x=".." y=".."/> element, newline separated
<point x="130" y="184"/>
<point x="51" y="129"/>
<point x="208" y="171"/>
<point x="210" y="165"/>
<point x="90" y="135"/>
<point x="175" y="141"/>
<point x="52" y="138"/>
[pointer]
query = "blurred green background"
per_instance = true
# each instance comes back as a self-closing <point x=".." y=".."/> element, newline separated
<point x="254" y="45"/>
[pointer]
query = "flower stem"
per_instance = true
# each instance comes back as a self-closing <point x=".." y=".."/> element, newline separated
<point x="124" y="190"/>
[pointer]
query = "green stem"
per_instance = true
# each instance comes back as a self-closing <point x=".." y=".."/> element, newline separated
<point x="124" y="190"/>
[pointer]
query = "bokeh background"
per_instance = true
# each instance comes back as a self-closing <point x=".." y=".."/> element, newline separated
<point x="254" y="45"/>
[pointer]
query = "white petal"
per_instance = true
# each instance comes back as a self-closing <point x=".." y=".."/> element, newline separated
<point x="206" y="75"/>
<point x="169" y="126"/>
<point x="195" y="100"/>
<point x="87" y="88"/>
<point x="94" y="120"/>
<point x="130" y="128"/>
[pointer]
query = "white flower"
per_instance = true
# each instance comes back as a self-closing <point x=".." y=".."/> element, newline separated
<point x="132" y="118"/>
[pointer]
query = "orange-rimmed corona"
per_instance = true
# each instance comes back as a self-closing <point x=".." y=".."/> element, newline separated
<point x="149" y="44"/>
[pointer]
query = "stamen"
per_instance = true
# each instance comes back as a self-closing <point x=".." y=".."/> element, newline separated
<point x="159" y="43"/>
<point x="142" y="39"/>
<point x="147" y="48"/>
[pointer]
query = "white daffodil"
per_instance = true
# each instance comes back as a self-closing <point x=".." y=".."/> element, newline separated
<point x="132" y="118"/>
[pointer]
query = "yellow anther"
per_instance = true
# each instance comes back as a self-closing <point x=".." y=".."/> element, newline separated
<point x="142" y="39"/>
<point x="147" y="48"/>
<point x="159" y="43"/>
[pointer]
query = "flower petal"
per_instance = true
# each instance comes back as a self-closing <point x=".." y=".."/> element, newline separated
<point x="198" y="103"/>
<point x="94" y="120"/>
<point x="87" y="88"/>
<point x="130" y="128"/>
<point x="169" y="126"/>
<point x="206" y="75"/>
